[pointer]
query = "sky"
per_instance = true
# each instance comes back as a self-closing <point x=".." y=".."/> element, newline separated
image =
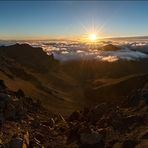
<point x="72" y="19"/>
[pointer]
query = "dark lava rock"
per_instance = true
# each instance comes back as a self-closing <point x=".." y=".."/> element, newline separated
<point x="49" y="123"/>
<point x="126" y="144"/>
<point x="20" y="93"/>
<point x="142" y="144"/>
<point x="4" y="99"/>
<point x="16" y="142"/>
<point x="97" y="112"/>
<point x="131" y="119"/>
<point x="91" y="140"/>
<point x="129" y="144"/>
<point x="2" y="85"/>
<point x="145" y="95"/>
<point x="144" y="135"/>
<point x="75" y="116"/>
<point x="2" y="118"/>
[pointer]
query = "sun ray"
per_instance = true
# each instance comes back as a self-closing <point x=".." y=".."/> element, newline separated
<point x="91" y="34"/>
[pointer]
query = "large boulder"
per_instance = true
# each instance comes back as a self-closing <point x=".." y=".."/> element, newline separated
<point x="2" y="85"/>
<point x="4" y="99"/>
<point x="11" y="107"/>
<point x="15" y="109"/>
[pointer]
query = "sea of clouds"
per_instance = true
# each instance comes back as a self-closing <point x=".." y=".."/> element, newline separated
<point x="72" y="50"/>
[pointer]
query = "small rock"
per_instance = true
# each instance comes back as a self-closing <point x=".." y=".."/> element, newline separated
<point x="61" y="118"/>
<point x="16" y="142"/>
<point x="39" y="137"/>
<point x="117" y="145"/>
<point x="90" y="138"/>
<point x="143" y="144"/>
<point x="75" y="116"/>
<point x="62" y="139"/>
<point x="35" y="123"/>
<point x="93" y="139"/>
<point x="49" y="123"/>
<point x="10" y="112"/>
<point x="0" y="141"/>
<point x="129" y="144"/>
<point x="20" y="93"/>
<point x="144" y="135"/>
<point x="97" y="112"/>
<point x="26" y="138"/>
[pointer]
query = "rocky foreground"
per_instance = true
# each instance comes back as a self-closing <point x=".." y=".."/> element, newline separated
<point x="25" y="123"/>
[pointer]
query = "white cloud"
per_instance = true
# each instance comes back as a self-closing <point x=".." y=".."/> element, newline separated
<point x="67" y="50"/>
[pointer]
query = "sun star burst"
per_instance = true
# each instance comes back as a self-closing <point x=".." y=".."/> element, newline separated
<point x="92" y="37"/>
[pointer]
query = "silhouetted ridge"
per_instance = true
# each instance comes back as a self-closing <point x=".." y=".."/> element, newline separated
<point x="33" y="57"/>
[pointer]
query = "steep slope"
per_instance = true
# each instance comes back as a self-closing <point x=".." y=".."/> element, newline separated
<point x="30" y="57"/>
<point x="118" y="89"/>
<point x="39" y="76"/>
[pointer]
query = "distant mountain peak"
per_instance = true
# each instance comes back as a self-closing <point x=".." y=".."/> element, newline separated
<point x="110" y="47"/>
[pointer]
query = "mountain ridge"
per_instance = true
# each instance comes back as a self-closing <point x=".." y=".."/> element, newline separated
<point x="64" y="87"/>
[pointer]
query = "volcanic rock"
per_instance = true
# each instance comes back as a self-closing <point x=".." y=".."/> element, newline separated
<point x="16" y="142"/>
<point x="143" y="144"/>
<point x="144" y="135"/>
<point x="2" y="85"/>
<point x="92" y="139"/>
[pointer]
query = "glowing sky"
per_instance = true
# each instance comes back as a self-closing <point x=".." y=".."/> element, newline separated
<point x="71" y="19"/>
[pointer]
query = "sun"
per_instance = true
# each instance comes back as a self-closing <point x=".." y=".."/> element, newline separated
<point x="92" y="37"/>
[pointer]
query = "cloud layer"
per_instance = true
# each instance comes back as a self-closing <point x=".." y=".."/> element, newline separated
<point x="68" y="50"/>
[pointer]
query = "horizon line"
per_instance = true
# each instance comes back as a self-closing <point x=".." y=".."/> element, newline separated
<point x="76" y="39"/>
